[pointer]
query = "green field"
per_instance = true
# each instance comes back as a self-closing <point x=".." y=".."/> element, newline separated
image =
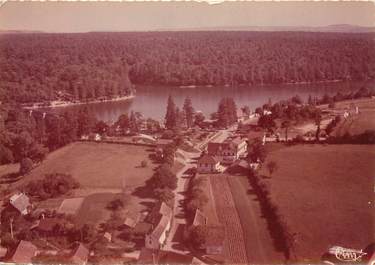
<point x="99" y="165"/>
<point x="325" y="193"/>
<point x="105" y="172"/>
<point x="355" y="123"/>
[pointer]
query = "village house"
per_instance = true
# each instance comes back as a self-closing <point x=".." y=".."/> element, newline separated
<point x="144" y="138"/>
<point x="70" y="206"/>
<point x="3" y="252"/>
<point x="131" y="221"/>
<point x="228" y="151"/>
<point x="199" y="218"/>
<point x="80" y="255"/>
<point x="23" y="253"/>
<point x="208" y="164"/>
<point x="107" y="236"/>
<point x="161" y="219"/>
<point x="21" y="203"/>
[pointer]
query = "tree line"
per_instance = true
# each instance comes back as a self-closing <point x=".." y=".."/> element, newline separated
<point x="42" y="67"/>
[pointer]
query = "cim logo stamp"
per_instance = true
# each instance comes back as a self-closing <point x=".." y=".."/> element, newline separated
<point x="347" y="254"/>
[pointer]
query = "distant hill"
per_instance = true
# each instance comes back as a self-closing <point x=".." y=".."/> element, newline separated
<point x="19" y="31"/>
<point x="331" y="28"/>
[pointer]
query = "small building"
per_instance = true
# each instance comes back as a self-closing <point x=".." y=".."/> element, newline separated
<point x="23" y="253"/>
<point x="144" y="138"/>
<point x="3" y="252"/>
<point x="21" y="203"/>
<point x="267" y="112"/>
<point x="98" y="137"/>
<point x="161" y="143"/>
<point x="215" y="240"/>
<point x="70" y="206"/>
<point x="241" y="146"/>
<point x="108" y="236"/>
<point x="208" y="164"/>
<point x="161" y="219"/>
<point x="131" y="221"/>
<point x="199" y="218"/>
<point x="79" y="255"/>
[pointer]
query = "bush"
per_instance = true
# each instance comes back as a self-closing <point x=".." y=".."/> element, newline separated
<point x="197" y="236"/>
<point x="115" y="205"/>
<point x="144" y="163"/>
<point x="51" y="186"/>
<point x="25" y="166"/>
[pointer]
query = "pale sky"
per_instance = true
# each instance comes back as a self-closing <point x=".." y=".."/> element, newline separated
<point x="140" y="16"/>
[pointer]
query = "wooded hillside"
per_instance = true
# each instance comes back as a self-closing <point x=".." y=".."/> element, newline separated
<point x="35" y="67"/>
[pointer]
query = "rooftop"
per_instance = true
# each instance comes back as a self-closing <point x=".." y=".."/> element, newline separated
<point x="199" y="218"/>
<point x="70" y="206"/>
<point x="24" y="252"/>
<point x="80" y="254"/>
<point x="21" y="202"/>
<point x="208" y="159"/>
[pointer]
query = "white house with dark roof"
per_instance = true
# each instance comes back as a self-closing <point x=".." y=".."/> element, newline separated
<point x="161" y="221"/>
<point x="21" y="203"/>
<point x="208" y="164"/>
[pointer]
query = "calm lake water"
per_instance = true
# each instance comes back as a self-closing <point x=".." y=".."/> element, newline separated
<point x="151" y="101"/>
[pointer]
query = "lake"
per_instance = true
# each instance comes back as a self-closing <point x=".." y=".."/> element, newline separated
<point x="151" y="101"/>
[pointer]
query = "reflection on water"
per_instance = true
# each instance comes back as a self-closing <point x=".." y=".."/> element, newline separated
<point x="151" y="100"/>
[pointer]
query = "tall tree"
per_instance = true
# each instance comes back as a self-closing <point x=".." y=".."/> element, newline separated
<point x="170" y="116"/>
<point x="286" y="124"/>
<point x="86" y="122"/>
<point x="227" y="112"/>
<point x="133" y="123"/>
<point x="123" y="122"/>
<point x="189" y="112"/>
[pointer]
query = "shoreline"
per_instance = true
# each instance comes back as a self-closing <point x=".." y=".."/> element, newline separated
<point x="265" y="84"/>
<point x="61" y="104"/>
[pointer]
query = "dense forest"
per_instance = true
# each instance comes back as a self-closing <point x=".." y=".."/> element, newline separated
<point x="42" y="67"/>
